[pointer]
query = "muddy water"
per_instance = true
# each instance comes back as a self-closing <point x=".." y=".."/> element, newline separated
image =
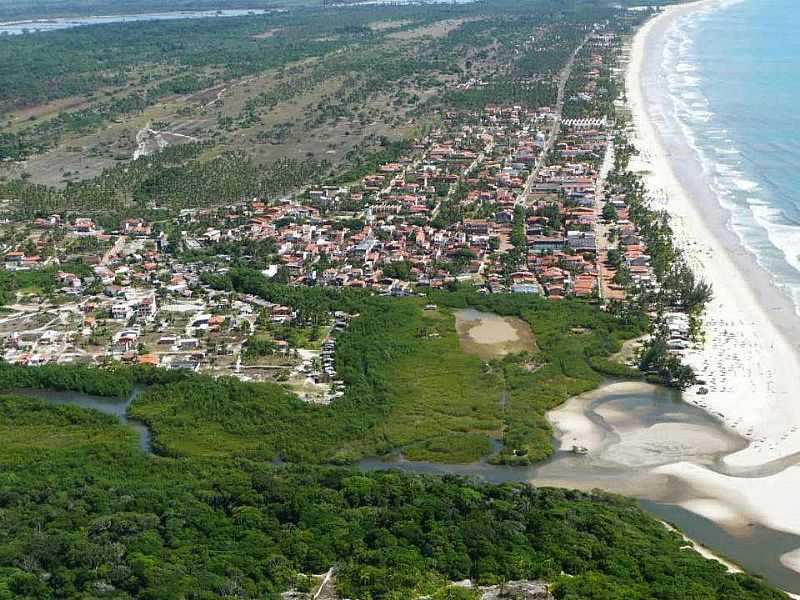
<point x="631" y="429"/>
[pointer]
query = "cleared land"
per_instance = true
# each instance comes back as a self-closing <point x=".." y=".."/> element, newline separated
<point x="491" y="336"/>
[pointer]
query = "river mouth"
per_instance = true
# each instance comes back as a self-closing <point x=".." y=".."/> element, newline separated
<point x="627" y="430"/>
<point x="633" y="433"/>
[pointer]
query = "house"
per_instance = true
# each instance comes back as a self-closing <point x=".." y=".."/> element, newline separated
<point x="126" y="340"/>
<point x="188" y="343"/>
<point x="582" y="241"/>
<point x="541" y="243"/>
<point x="527" y="288"/>
<point x="122" y="311"/>
<point x="83" y="225"/>
<point x="476" y="226"/>
<point x="136" y="227"/>
<point x="146" y="308"/>
<point x="504" y="217"/>
<point x="149" y="359"/>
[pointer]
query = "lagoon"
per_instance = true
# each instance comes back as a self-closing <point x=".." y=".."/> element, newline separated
<point x="56" y="23"/>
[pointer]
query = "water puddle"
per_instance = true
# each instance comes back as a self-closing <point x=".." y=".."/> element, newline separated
<point x="489" y="336"/>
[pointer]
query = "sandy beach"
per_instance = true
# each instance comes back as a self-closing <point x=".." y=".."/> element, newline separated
<point x="750" y="358"/>
<point x="748" y="361"/>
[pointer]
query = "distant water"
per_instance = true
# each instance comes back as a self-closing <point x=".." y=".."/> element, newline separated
<point x="398" y="2"/>
<point x="733" y="74"/>
<point x="41" y="25"/>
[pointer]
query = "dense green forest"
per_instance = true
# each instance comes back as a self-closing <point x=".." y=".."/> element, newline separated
<point x="85" y="514"/>
<point x="113" y="380"/>
<point x="410" y="388"/>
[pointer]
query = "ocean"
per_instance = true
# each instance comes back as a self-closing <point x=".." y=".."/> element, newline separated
<point x="732" y="71"/>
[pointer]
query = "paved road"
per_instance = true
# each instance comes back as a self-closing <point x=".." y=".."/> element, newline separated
<point x="601" y="228"/>
<point x="555" y="126"/>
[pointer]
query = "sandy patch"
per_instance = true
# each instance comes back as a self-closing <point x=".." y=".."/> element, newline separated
<point x="791" y="560"/>
<point x="434" y="30"/>
<point x="665" y="443"/>
<point x="639" y="434"/>
<point x="574" y="428"/>
<point x="490" y="336"/>
<point x="264" y="35"/>
<point x="705" y="552"/>
<point x="771" y="501"/>
<point x="714" y="510"/>
<point x="388" y="24"/>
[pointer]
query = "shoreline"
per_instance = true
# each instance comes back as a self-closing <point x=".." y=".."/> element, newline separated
<point x="747" y="360"/>
<point x="634" y="432"/>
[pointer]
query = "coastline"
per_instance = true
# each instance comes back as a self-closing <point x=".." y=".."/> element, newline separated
<point x="749" y="360"/>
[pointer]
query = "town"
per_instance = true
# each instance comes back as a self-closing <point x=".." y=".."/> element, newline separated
<point x="506" y="199"/>
<point x="376" y="299"/>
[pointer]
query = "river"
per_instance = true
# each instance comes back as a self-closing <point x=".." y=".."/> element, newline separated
<point x="56" y="23"/>
<point x="630" y="430"/>
<point x="116" y="407"/>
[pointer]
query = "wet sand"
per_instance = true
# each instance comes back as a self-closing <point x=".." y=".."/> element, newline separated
<point x="636" y="435"/>
<point x="750" y="359"/>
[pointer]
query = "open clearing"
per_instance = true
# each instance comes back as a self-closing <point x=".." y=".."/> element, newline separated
<point x="491" y="336"/>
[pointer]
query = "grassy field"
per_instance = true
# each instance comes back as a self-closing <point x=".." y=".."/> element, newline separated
<point x="569" y="336"/>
